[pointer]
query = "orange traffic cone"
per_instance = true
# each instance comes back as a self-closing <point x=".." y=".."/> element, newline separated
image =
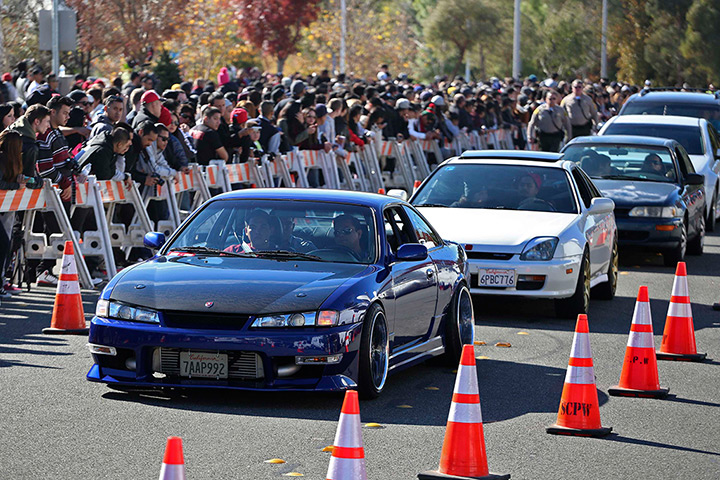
<point x="579" y="412"/>
<point x="348" y="454"/>
<point x="173" y="466"/>
<point x="68" y="317"/>
<point x="678" y="342"/>
<point x="639" y="377"/>
<point x="463" y="453"/>
<point x="416" y="185"/>
<point x="381" y="191"/>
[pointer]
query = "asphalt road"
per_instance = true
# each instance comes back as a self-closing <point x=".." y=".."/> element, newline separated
<point x="56" y="425"/>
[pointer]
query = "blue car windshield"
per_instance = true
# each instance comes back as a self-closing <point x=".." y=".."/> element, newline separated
<point x="281" y="229"/>
<point x="711" y="113"/>
<point x="688" y="137"/>
<point x="498" y="186"/>
<point x="624" y="162"/>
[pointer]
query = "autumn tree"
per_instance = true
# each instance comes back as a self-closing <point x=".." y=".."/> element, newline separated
<point x="275" y="26"/>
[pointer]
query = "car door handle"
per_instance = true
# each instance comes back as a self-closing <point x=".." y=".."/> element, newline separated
<point x="430" y="272"/>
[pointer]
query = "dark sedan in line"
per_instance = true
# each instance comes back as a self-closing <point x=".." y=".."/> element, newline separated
<point x="659" y="198"/>
<point x="285" y="289"/>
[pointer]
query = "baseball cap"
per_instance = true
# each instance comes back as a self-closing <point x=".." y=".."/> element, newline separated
<point x="320" y="110"/>
<point x="438" y="100"/>
<point x="149" y="97"/>
<point x="6" y="77"/>
<point x="403" y="104"/>
<point x="239" y="115"/>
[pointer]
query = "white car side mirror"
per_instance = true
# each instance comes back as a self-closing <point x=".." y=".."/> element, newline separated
<point x="398" y="193"/>
<point x="601" y="205"/>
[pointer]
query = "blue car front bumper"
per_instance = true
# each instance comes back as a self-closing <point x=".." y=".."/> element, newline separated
<point x="643" y="232"/>
<point x="146" y="356"/>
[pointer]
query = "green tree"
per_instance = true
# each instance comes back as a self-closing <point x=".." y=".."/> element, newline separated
<point x="702" y="38"/>
<point x="166" y="71"/>
<point x="456" y="26"/>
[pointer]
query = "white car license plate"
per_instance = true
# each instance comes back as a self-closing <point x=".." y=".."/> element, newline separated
<point x="496" y="277"/>
<point x="203" y="365"/>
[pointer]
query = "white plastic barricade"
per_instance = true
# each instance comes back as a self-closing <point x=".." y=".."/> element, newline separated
<point x="277" y="171"/>
<point x="368" y="154"/>
<point x="164" y="193"/>
<point x="418" y="157"/>
<point x="184" y="184"/>
<point x="432" y="146"/>
<point x="244" y="173"/>
<point x="306" y="160"/>
<point x="99" y="242"/>
<point x="45" y="199"/>
<point x="403" y="166"/>
<point x="354" y="161"/>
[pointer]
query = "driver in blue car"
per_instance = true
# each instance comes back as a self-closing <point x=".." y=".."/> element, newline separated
<point x="257" y="234"/>
<point x="348" y="235"/>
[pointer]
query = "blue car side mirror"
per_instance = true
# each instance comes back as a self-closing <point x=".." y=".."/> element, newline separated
<point x="154" y="240"/>
<point x="412" y="252"/>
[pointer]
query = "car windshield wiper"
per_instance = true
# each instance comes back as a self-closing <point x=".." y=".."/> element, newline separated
<point x="211" y="251"/>
<point x="429" y="205"/>
<point x="286" y="254"/>
<point x="620" y="177"/>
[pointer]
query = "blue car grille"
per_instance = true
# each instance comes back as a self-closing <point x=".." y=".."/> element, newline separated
<point x="204" y="320"/>
<point x="241" y="365"/>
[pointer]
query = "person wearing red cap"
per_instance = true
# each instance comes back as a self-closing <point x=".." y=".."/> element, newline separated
<point x="528" y="185"/>
<point x="150" y="108"/>
<point x="9" y="87"/>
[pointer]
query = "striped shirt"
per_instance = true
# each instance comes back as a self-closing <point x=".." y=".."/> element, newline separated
<point x="53" y="157"/>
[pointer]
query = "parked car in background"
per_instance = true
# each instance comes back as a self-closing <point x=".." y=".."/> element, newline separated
<point x="696" y="135"/>
<point x="659" y="198"/>
<point x="532" y="226"/>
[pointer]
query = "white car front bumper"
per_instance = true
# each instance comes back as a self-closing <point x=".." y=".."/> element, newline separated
<point x="560" y="277"/>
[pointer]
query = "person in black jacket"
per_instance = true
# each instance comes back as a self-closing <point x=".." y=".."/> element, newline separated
<point x="150" y="110"/>
<point x="104" y="155"/>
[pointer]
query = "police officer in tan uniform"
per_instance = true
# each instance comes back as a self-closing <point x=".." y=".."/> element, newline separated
<point x="581" y="109"/>
<point x="549" y="124"/>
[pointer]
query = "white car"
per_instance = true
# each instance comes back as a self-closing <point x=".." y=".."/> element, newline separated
<point x="532" y="225"/>
<point x="697" y="135"/>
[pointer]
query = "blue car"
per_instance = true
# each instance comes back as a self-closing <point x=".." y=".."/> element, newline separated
<point x="659" y="198"/>
<point x="285" y="289"/>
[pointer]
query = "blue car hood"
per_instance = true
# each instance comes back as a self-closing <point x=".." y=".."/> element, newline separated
<point x="234" y="285"/>
<point x="628" y="193"/>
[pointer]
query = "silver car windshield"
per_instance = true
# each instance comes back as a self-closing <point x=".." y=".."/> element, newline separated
<point x="280" y="229"/>
<point x="624" y="162"/>
<point x="507" y="187"/>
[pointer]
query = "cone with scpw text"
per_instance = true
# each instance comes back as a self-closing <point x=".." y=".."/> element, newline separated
<point x="678" y="342"/>
<point x="348" y="455"/>
<point x="579" y="412"/>
<point x="463" y="453"/>
<point x="173" y="466"/>
<point x="68" y="316"/>
<point x="639" y="377"/>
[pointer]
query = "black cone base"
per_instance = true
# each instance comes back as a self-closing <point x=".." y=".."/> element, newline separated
<point x="681" y="357"/>
<point x="629" y="392"/>
<point x="716" y="306"/>
<point x="434" y="475"/>
<point x="63" y="331"/>
<point x="578" y="432"/>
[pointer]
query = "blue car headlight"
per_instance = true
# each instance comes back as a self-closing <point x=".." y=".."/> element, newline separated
<point x="322" y="318"/>
<point x="540" y="249"/>
<point x="655" y="212"/>
<point x="122" y="311"/>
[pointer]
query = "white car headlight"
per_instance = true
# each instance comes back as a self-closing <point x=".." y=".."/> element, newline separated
<point x="306" y="319"/>
<point x="540" y="249"/>
<point x="121" y="311"/>
<point x="655" y="212"/>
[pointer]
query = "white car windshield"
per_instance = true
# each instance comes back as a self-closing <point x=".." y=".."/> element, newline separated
<point x="624" y="162"/>
<point x="507" y="187"/>
<point x="688" y="137"/>
<point x="309" y="230"/>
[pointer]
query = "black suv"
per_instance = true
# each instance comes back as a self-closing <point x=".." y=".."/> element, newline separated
<point x="669" y="101"/>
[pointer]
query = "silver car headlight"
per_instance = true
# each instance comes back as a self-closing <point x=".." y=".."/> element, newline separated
<point x="540" y="249"/>
<point x="121" y="311"/>
<point x="323" y="318"/>
<point x="655" y="212"/>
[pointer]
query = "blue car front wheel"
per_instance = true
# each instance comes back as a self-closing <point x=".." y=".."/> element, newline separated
<point x="374" y="353"/>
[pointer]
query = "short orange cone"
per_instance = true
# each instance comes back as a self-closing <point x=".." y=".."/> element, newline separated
<point x="639" y="377"/>
<point x="463" y="453"/>
<point x="579" y="412"/>
<point x="348" y="455"/>
<point x="68" y="317"/>
<point x="678" y="342"/>
<point x="173" y="466"/>
<point x="381" y="191"/>
<point x="416" y="185"/>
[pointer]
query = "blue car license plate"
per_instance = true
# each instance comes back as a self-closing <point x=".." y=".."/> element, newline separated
<point x="203" y="365"/>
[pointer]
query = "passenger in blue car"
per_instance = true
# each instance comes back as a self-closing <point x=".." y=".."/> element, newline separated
<point x="257" y="233"/>
<point x="349" y="236"/>
<point x="288" y="241"/>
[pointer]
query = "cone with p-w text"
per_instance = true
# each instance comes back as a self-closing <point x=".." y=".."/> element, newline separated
<point x="579" y="412"/>
<point x="173" y="466"/>
<point x="348" y="455"/>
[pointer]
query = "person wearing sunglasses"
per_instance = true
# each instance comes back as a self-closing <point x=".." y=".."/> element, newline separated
<point x="348" y="235"/>
<point x="581" y="110"/>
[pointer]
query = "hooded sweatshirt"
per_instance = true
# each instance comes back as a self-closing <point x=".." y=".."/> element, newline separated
<point x="102" y="160"/>
<point x="29" y="150"/>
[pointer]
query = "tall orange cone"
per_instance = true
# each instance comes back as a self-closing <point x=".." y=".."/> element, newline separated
<point x="173" y="466"/>
<point x="579" y="412"/>
<point x="68" y="316"/>
<point x="639" y="377"/>
<point x="348" y="454"/>
<point x="463" y="453"/>
<point x="678" y="342"/>
<point x="416" y="185"/>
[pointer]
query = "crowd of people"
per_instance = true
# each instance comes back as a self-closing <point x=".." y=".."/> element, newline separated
<point x="140" y="131"/>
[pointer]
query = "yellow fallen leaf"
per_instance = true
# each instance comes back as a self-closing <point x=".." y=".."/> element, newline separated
<point x="503" y="344"/>
<point x="275" y="461"/>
